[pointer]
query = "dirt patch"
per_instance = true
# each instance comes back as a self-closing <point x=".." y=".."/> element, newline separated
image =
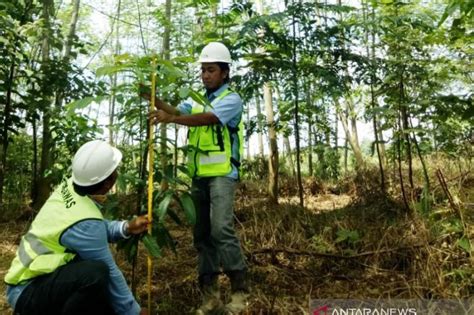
<point x="10" y="238"/>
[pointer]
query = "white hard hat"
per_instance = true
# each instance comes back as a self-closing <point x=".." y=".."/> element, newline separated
<point x="215" y="52"/>
<point x="94" y="162"/>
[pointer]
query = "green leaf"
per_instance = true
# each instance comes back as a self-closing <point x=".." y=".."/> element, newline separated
<point x="163" y="206"/>
<point x="108" y="70"/>
<point x="347" y="235"/>
<point x="184" y="92"/>
<point x="188" y="207"/>
<point x="171" y="70"/>
<point x="464" y="243"/>
<point x="449" y="11"/>
<point x="151" y="245"/>
<point x="163" y="237"/>
<point x="453" y="226"/>
<point x="83" y="103"/>
<point x="199" y="98"/>
<point x="174" y="216"/>
<point x="129" y="247"/>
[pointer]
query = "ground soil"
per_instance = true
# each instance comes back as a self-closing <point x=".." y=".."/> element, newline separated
<point x="337" y="246"/>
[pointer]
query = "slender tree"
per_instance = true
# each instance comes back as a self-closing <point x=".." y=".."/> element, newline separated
<point x="272" y="134"/>
<point x="163" y="127"/>
<point x="44" y="179"/>
<point x="114" y="76"/>
<point x="371" y="57"/>
<point x="259" y="126"/>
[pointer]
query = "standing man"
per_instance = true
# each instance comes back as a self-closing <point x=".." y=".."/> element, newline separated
<point x="216" y="142"/>
<point x="63" y="264"/>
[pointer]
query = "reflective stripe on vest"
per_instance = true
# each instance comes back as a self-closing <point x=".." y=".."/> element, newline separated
<point x="40" y="251"/>
<point x="210" y="150"/>
<point x="35" y="245"/>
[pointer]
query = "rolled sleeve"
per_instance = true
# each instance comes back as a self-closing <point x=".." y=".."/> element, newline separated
<point x="228" y="108"/>
<point x="185" y="108"/>
<point x="115" y="230"/>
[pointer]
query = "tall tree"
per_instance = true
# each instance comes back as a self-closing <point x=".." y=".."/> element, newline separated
<point x="349" y="113"/>
<point x="259" y="126"/>
<point x="44" y="177"/>
<point x="296" y="110"/>
<point x="163" y="127"/>
<point x="370" y="52"/>
<point x="272" y="145"/>
<point x="114" y="76"/>
<point x="272" y="134"/>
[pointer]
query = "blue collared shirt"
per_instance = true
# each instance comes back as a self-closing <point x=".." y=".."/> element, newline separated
<point x="229" y="112"/>
<point x="90" y="240"/>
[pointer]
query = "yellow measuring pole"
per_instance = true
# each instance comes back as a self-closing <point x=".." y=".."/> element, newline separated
<point x="150" y="176"/>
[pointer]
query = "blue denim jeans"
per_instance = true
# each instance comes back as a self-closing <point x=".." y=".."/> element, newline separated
<point x="214" y="235"/>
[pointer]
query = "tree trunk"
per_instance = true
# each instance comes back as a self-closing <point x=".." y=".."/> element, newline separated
<point x="114" y="79"/>
<point x="72" y="28"/>
<point x="310" y="149"/>
<point x="68" y="46"/>
<point x="296" y="113"/>
<point x="6" y="125"/>
<point x="272" y="135"/>
<point x="346" y="154"/>
<point x="399" y="158"/>
<point x="259" y="126"/>
<point x="289" y="155"/>
<point x="273" y="145"/>
<point x="309" y="103"/>
<point x="47" y="145"/>
<point x="373" y="105"/>
<point x="163" y="127"/>
<point x="404" y="113"/>
<point x="34" y="166"/>
<point x="214" y="15"/>
<point x="350" y="137"/>
<point x="383" y="155"/>
<point x="248" y="142"/>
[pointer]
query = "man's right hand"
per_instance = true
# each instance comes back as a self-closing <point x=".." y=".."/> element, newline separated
<point x="144" y="311"/>
<point x="145" y="92"/>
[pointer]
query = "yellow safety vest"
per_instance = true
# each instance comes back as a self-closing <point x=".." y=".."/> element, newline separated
<point x="210" y="147"/>
<point x="40" y="251"/>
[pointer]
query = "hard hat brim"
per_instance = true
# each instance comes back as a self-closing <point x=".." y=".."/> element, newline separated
<point x="212" y="60"/>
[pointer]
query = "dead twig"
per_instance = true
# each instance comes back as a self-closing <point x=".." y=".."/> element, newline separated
<point x="462" y="176"/>
<point x="444" y="186"/>
<point x="290" y="251"/>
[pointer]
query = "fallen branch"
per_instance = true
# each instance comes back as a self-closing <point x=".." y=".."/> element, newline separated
<point x="445" y="188"/>
<point x="460" y="176"/>
<point x="290" y="251"/>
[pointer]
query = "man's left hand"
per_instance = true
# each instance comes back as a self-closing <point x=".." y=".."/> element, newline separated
<point x="138" y="225"/>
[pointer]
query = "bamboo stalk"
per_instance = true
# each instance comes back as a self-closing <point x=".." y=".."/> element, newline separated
<point x="150" y="176"/>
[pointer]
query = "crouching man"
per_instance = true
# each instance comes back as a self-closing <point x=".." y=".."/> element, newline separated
<point x="63" y="264"/>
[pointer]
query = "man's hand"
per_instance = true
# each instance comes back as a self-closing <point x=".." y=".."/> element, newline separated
<point x="138" y="225"/>
<point x="161" y="116"/>
<point x="144" y="311"/>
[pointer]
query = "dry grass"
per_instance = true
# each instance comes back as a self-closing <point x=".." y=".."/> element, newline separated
<point x="296" y="254"/>
<point x="10" y="237"/>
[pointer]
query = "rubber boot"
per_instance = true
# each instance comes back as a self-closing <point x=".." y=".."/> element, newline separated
<point x="240" y="292"/>
<point x="211" y="300"/>
<point x="238" y="303"/>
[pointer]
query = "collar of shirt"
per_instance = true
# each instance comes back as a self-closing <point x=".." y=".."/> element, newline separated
<point x="217" y="92"/>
